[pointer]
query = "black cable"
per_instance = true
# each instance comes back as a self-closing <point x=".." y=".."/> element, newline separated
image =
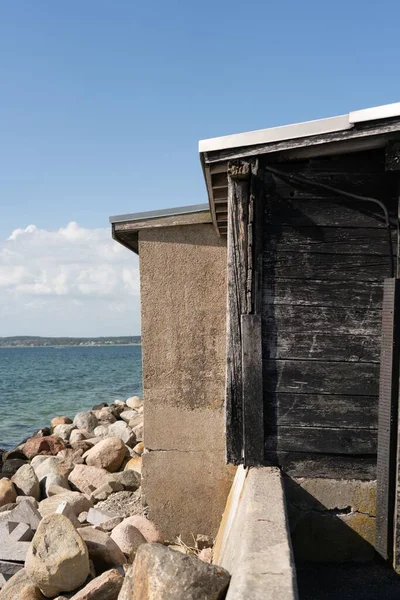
<point x="303" y="180"/>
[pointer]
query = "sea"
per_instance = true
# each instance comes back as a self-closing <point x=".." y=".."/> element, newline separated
<point x="37" y="384"/>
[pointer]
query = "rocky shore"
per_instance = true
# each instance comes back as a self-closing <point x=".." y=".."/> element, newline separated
<point x="73" y="524"/>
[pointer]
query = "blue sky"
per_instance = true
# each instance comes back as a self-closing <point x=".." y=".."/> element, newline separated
<point x="102" y="105"/>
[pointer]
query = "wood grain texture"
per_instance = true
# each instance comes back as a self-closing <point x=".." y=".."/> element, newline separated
<point x="328" y="240"/>
<point x="320" y="292"/>
<point x="322" y="440"/>
<point x="322" y="346"/>
<point x="323" y="410"/>
<point x="328" y="266"/>
<point x="321" y="319"/>
<point x="315" y="377"/>
<point x="253" y="401"/>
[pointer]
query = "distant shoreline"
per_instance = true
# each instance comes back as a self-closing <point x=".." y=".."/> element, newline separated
<point x="71" y="345"/>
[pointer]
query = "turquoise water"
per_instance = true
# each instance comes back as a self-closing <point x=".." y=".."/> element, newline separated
<point x="36" y="384"/>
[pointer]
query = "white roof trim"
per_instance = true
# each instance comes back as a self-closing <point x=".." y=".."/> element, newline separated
<point x="377" y="112"/>
<point x="299" y="130"/>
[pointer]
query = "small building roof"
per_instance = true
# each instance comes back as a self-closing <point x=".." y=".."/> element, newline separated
<point x="356" y="131"/>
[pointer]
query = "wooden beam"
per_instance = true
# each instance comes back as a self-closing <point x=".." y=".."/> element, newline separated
<point x="244" y="384"/>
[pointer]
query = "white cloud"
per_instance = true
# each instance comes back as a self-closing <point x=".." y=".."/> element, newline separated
<point x="73" y="281"/>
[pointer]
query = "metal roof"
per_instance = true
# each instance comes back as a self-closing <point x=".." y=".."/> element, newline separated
<point x="298" y="130"/>
<point x="158" y="214"/>
<point x="356" y="131"/>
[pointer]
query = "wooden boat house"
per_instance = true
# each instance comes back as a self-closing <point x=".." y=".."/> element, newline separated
<point x="277" y="289"/>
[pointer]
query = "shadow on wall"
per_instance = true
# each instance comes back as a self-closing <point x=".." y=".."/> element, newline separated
<point x="329" y="533"/>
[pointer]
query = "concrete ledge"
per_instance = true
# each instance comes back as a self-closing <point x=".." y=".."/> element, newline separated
<point x="253" y="542"/>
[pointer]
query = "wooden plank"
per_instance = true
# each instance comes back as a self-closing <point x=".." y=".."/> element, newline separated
<point x="328" y="240"/>
<point x="388" y="416"/>
<point x="238" y="198"/>
<point x="322" y="346"/>
<point x="322" y="410"/>
<point x="331" y="212"/>
<point x="319" y="292"/>
<point x="315" y="377"/>
<point x="322" y="440"/>
<point x="365" y="130"/>
<point x="321" y="319"/>
<point x="331" y="466"/>
<point x="253" y="409"/>
<point x="328" y="266"/>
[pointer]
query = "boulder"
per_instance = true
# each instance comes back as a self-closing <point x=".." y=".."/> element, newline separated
<point x="101" y="431"/>
<point x="160" y="573"/>
<point x="63" y="431"/>
<point x="71" y="457"/>
<point x="86" y="420"/>
<point x="11" y="466"/>
<point x="122" y="431"/>
<point x="14" y="541"/>
<point x="105" y="415"/>
<point x="26" y="482"/>
<point x="111" y="524"/>
<point x="60" y="421"/>
<point x="8" y="492"/>
<point x="58" y="559"/>
<point x="53" y="465"/>
<point x="10" y="454"/>
<point x="24" y="512"/>
<point x="64" y="508"/>
<point x="107" y="454"/>
<point x="103" y="551"/>
<point x="79" y="503"/>
<point x="20" y="587"/>
<point x="134" y="402"/>
<point x="29" y="499"/>
<point x="131" y="480"/>
<point x="83" y="445"/>
<point x="139" y="448"/>
<point x="146" y="527"/>
<point x="48" y="445"/>
<point x="86" y="479"/>
<point x="79" y="435"/>
<point x="137" y="419"/>
<point x="128" y="415"/>
<point x="128" y="538"/>
<point x="138" y="431"/>
<point x="51" y="480"/>
<point x="105" y="490"/>
<point x="105" y="587"/>
<point x="38" y="460"/>
<point x="97" y="517"/>
<point x="134" y="464"/>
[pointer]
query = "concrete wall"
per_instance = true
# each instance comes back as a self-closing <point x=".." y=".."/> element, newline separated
<point x="183" y="298"/>
<point x="253" y="542"/>
<point x="332" y="520"/>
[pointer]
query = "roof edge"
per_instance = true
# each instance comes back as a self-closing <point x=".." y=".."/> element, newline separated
<point x="158" y="214"/>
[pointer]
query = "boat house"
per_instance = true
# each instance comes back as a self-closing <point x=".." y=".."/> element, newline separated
<point x="263" y="316"/>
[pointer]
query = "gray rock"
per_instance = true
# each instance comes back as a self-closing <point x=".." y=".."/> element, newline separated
<point x="105" y="587"/>
<point x="11" y="466"/>
<point x="97" y="517"/>
<point x="103" y="551"/>
<point x="122" y="431"/>
<point x="53" y="465"/>
<point x="79" y="435"/>
<point x="138" y="431"/>
<point x="20" y="587"/>
<point x="101" y="431"/>
<point x="57" y="560"/>
<point x="26" y="482"/>
<point x="53" y="479"/>
<point x="105" y="490"/>
<point x="86" y="479"/>
<point x="24" y="512"/>
<point x="86" y="421"/>
<point x="128" y="538"/>
<point x="127" y="415"/>
<point x="79" y="503"/>
<point x="29" y="499"/>
<point x="64" y="508"/>
<point x="159" y="573"/>
<point x="111" y="524"/>
<point x="63" y="431"/>
<point x="14" y="541"/>
<point x="131" y="480"/>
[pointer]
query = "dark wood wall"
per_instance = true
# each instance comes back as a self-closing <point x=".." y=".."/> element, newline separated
<point x="324" y="261"/>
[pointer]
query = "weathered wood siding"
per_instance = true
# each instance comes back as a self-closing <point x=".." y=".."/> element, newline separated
<point x="325" y="259"/>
